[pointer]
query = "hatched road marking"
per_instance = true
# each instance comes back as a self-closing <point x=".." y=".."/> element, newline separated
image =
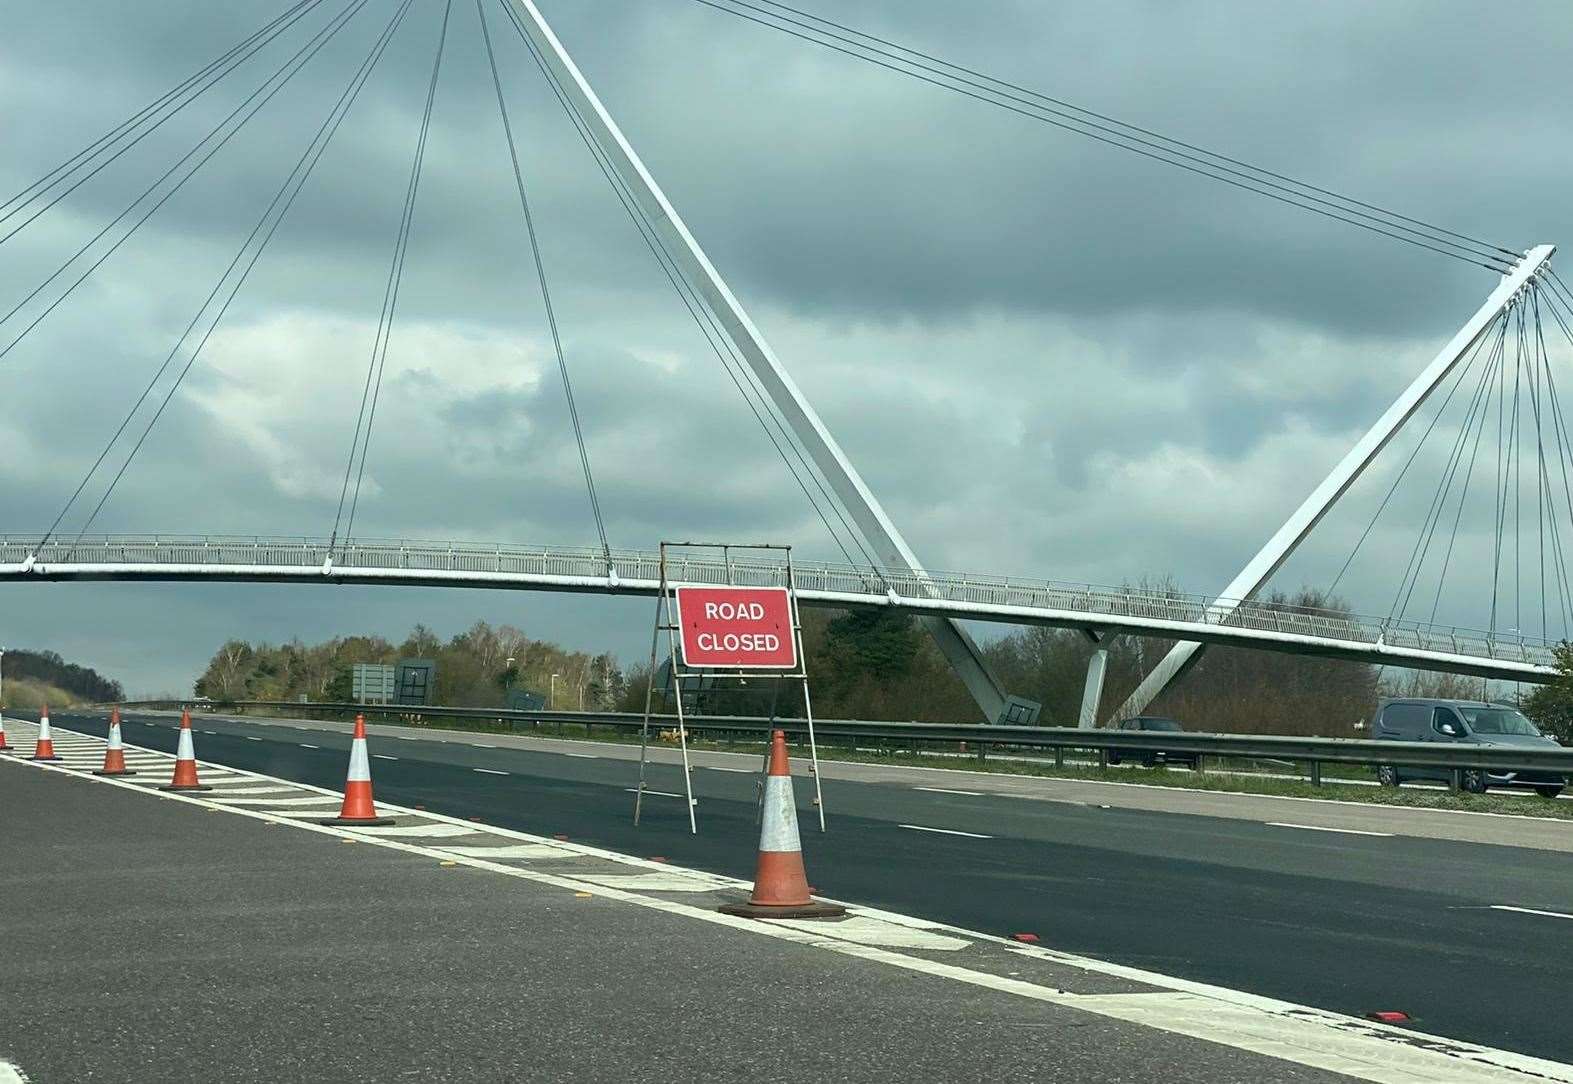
<point x="1315" y="1038"/>
<point x="488" y="771"/>
<point x="947" y="790"/>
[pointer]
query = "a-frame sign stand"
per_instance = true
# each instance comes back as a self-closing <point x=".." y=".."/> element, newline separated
<point x="748" y="628"/>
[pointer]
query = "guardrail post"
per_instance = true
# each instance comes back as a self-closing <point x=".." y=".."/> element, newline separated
<point x="1059" y="756"/>
<point x="980" y="752"/>
<point x="1316" y="772"/>
<point x="1103" y="757"/>
<point x="1455" y="780"/>
<point x="1197" y="764"/>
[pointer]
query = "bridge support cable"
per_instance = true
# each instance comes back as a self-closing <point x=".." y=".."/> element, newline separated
<point x="754" y="397"/>
<point x="142" y="123"/>
<point x="1562" y="439"/>
<point x="1438" y="501"/>
<point x="253" y="247"/>
<point x="1116" y="133"/>
<point x="1458" y="379"/>
<point x="252" y="105"/>
<point x="546" y="294"/>
<point x="873" y="523"/>
<point x="1288" y="537"/>
<point x="390" y="302"/>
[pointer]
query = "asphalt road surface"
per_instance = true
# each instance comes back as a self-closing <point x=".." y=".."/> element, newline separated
<point x="1443" y="929"/>
<point x="152" y="940"/>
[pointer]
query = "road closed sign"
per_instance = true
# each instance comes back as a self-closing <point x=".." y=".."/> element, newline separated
<point x="740" y="628"/>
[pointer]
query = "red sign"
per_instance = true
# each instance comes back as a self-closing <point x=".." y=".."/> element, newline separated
<point x="739" y="628"/>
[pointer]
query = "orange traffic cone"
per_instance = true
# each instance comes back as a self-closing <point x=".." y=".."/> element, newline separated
<point x="780" y="885"/>
<point x="4" y="748"/>
<point x="114" y="752"/>
<point x="45" y="749"/>
<point x="358" y="807"/>
<point x="185" y="760"/>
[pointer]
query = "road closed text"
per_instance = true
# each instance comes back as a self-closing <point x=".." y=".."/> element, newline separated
<point x="737" y="627"/>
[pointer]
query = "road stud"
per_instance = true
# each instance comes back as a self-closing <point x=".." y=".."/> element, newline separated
<point x="780" y="884"/>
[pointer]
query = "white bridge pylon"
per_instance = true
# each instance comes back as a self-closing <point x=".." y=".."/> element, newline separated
<point x="873" y="524"/>
<point x="1271" y="556"/>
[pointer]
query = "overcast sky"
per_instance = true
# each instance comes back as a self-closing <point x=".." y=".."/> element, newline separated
<point x="1046" y="356"/>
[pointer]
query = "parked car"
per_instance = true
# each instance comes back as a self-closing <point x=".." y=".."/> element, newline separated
<point x="1471" y="721"/>
<point x="1153" y="757"/>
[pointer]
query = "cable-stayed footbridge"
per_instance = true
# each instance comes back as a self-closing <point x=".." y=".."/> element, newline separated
<point x="1494" y="377"/>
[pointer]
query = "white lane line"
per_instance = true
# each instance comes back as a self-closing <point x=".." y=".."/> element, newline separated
<point x="718" y="768"/>
<point x="657" y="793"/>
<point x="303" y="745"/>
<point x="944" y="831"/>
<point x="583" y="756"/>
<point x="251" y="738"/>
<point x="488" y="771"/>
<point x="1320" y="828"/>
<point x="1528" y="911"/>
<point x="947" y="790"/>
<point x="478" y="745"/>
<point x="10" y="1074"/>
<point x="213" y="732"/>
<point x="382" y="756"/>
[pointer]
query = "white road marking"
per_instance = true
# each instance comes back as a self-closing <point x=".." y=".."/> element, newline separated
<point x="382" y="756"/>
<point x="478" y="745"/>
<point x="488" y="771"/>
<point x="947" y="790"/>
<point x="583" y="756"/>
<point x="250" y="737"/>
<point x="517" y="850"/>
<point x="10" y="1074"/>
<point x="870" y="931"/>
<point x="317" y="799"/>
<point x="1320" y="828"/>
<point x="1306" y="1036"/>
<point x="434" y="830"/>
<point x="657" y="793"/>
<point x="654" y="882"/>
<point x="718" y="768"/>
<point x="1528" y="911"/>
<point x="303" y="745"/>
<point x="943" y="831"/>
<point x="213" y="732"/>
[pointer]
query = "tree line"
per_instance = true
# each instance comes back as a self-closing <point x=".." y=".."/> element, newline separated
<point x="479" y="668"/>
<point x="875" y="664"/>
<point x="48" y="670"/>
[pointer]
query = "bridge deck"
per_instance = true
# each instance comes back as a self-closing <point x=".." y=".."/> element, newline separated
<point x="1013" y="600"/>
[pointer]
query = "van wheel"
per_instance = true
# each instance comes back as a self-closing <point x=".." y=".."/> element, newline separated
<point x="1386" y="775"/>
<point x="1549" y="790"/>
<point x="1474" y="780"/>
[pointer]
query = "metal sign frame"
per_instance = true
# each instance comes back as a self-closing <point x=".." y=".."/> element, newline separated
<point x="668" y="620"/>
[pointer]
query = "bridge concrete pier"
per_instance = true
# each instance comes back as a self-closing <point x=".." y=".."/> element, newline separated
<point x="1092" y="690"/>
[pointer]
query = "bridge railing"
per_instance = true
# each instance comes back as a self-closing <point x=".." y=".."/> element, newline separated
<point x="636" y="568"/>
